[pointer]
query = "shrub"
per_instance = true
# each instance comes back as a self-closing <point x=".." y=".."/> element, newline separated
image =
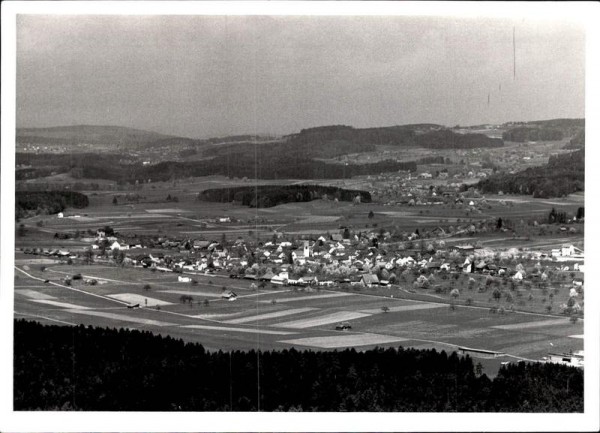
<point x="77" y="277"/>
<point x="469" y="301"/>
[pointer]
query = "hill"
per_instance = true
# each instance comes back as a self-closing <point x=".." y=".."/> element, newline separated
<point x="543" y="130"/>
<point x="564" y="174"/>
<point x="269" y="165"/>
<point x="416" y="135"/>
<point x="91" y="134"/>
<point x="47" y="202"/>
<point x="272" y="195"/>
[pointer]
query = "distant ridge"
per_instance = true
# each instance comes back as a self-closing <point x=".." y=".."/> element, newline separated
<point x="90" y="134"/>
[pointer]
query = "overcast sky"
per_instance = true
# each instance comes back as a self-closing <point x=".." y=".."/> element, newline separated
<point x="208" y="76"/>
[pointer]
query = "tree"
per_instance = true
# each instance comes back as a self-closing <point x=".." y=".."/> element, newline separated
<point x="114" y="202"/>
<point x="478" y="369"/>
<point x="88" y="256"/>
<point x="509" y="297"/>
<point x="147" y="287"/>
<point x="119" y="256"/>
<point x="385" y="309"/>
<point x="454" y="293"/>
<point x="21" y="231"/>
<point x="371" y="214"/>
<point x="497" y="294"/>
<point x="206" y="302"/>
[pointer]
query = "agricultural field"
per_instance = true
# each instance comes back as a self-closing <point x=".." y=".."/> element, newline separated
<point x="518" y="325"/>
<point x="282" y="317"/>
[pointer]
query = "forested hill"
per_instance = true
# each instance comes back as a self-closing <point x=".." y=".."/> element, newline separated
<point x="47" y="202"/>
<point x="265" y="164"/>
<point x="264" y="196"/>
<point x="564" y="174"/>
<point x="543" y="130"/>
<point x="419" y="135"/>
<point x="85" y="368"/>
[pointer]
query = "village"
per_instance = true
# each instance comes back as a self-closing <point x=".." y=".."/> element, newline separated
<point x="417" y="263"/>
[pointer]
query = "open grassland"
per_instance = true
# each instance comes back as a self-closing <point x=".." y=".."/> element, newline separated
<point x="281" y="318"/>
<point x="152" y="214"/>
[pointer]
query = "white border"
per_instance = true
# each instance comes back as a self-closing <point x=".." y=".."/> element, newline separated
<point x="584" y="12"/>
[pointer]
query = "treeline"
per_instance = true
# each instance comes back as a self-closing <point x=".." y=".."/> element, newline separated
<point x="564" y="174"/>
<point x="305" y="149"/>
<point x="526" y="133"/>
<point x="272" y="195"/>
<point x="28" y="203"/>
<point x="85" y="368"/>
<point x="543" y="130"/>
<point x="578" y="141"/>
<point x="433" y="160"/>
<point x="446" y="139"/>
<point x="430" y="136"/>
<point x="263" y="165"/>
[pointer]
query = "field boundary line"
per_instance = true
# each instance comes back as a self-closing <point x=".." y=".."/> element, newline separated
<point x="43" y="317"/>
<point x="72" y="288"/>
<point x="91" y="276"/>
<point x="473" y="307"/>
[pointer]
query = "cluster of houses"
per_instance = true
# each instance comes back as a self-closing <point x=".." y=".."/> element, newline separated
<point x="339" y="258"/>
<point x="334" y="259"/>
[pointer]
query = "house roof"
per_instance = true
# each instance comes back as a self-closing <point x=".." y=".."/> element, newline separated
<point x="370" y="278"/>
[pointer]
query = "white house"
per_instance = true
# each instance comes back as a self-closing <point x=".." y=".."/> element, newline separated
<point x="278" y="279"/>
<point x="183" y="279"/>
<point x="60" y="215"/>
<point x="230" y="296"/>
<point x="567" y="250"/>
<point x="115" y="246"/>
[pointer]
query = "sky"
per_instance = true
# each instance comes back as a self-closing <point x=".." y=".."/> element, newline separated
<point x="205" y="76"/>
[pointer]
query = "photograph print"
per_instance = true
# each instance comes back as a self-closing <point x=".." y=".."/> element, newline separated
<point x="298" y="213"/>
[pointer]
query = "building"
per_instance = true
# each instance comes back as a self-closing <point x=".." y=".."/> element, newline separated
<point x="183" y="279"/>
<point x="370" y="280"/>
<point x="573" y="359"/>
<point x="230" y="296"/>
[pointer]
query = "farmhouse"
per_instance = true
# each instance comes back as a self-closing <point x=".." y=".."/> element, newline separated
<point x="183" y="279"/>
<point x="369" y="280"/>
<point x="230" y="295"/>
<point x="279" y="280"/>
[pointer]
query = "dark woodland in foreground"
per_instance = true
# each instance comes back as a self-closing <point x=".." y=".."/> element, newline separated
<point x="85" y="368"/>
